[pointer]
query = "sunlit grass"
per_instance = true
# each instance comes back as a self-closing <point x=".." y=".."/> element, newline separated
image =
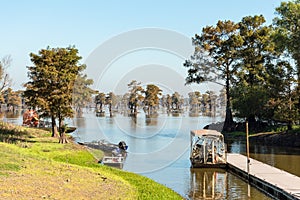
<point x="35" y="165"/>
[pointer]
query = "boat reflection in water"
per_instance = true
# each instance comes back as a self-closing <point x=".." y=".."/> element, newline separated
<point x="208" y="184"/>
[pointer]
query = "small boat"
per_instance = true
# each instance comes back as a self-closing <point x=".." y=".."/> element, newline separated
<point x="114" y="154"/>
<point x="113" y="161"/>
<point x="207" y="149"/>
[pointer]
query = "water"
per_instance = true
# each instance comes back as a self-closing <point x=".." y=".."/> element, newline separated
<point x="159" y="149"/>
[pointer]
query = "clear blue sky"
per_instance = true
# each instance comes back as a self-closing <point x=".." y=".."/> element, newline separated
<point x="27" y="26"/>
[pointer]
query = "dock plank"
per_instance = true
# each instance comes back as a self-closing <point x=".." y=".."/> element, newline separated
<point x="281" y="179"/>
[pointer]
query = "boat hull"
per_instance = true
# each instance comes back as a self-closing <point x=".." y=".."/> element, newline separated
<point x="208" y="165"/>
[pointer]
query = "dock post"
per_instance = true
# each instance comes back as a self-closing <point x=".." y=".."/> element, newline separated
<point x="248" y="157"/>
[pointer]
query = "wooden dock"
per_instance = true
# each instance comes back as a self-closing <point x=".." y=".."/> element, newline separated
<point x="277" y="183"/>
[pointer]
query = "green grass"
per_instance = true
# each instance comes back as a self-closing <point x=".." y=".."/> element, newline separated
<point x="34" y="164"/>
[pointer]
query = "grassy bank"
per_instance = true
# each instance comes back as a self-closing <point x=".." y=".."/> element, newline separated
<point x="33" y="165"/>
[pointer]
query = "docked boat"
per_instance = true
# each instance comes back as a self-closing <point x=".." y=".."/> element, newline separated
<point x="113" y="161"/>
<point x="207" y="149"/>
<point x="114" y="154"/>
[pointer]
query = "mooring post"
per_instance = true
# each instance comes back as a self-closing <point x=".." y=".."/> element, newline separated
<point x="248" y="157"/>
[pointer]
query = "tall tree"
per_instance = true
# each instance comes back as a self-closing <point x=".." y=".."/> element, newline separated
<point x="82" y="94"/>
<point x="282" y="104"/>
<point x="111" y="101"/>
<point x="254" y="56"/>
<point x="220" y="43"/>
<point x="169" y="102"/>
<point x="288" y="33"/>
<point x="176" y="101"/>
<point x="100" y="100"/>
<point x="135" y="96"/>
<point x="5" y="81"/>
<point x="194" y="101"/>
<point x="12" y="99"/>
<point x="151" y="99"/>
<point x="51" y="84"/>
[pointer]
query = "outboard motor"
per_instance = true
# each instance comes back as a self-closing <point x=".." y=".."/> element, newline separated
<point x="123" y="146"/>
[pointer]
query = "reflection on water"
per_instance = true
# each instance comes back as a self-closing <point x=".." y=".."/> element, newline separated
<point x="219" y="184"/>
<point x="208" y="183"/>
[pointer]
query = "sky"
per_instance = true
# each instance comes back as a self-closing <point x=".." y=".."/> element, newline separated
<point x="31" y="25"/>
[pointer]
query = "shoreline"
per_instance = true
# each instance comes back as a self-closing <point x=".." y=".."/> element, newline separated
<point x="35" y="165"/>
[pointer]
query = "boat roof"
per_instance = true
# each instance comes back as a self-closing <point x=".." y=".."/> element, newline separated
<point x="206" y="132"/>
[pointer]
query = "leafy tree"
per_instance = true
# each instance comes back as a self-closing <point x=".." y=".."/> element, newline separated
<point x="176" y="101"/>
<point x="151" y="99"/>
<point x="222" y="100"/>
<point x="100" y="100"/>
<point x="194" y="101"/>
<point x="282" y="105"/>
<point x="209" y="103"/>
<point x="82" y="94"/>
<point x="169" y="102"/>
<point x="51" y="84"/>
<point x="12" y="99"/>
<point x="288" y="33"/>
<point x="254" y="56"/>
<point x="135" y="96"/>
<point x="111" y="101"/>
<point x="220" y="43"/>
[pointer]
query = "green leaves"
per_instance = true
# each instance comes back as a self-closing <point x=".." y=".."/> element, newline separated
<point x="52" y="78"/>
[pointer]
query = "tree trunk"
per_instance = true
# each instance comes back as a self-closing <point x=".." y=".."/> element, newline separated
<point x="110" y="110"/>
<point x="228" y="124"/>
<point x="62" y="132"/>
<point x="54" y="127"/>
<point x="290" y="125"/>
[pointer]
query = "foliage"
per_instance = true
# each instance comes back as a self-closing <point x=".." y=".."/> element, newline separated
<point x="82" y="93"/>
<point x="51" y="83"/>
<point x="220" y="43"/>
<point x="194" y="101"/>
<point x="249" y="92"/>
<point x="135" y="96"/>
<point x="177" y="101"/>
<point x="12" y="98"/>
<point x="100" y="100"/>
<point x="287" y="37"/>
<point x="111" y="101"/>
<point x="151" y="99"/>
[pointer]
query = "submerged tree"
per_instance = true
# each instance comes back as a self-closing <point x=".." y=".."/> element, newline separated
<point x="51" y="84"/>
<point x="12" y="99"/>
<point x="82" y="94"/>
<point x="100" y="100"/>
<point x="135" y="96"/>
<point x="111" y="101"/>
<point x="151" y="99"/>
<point x="194" y="101"/>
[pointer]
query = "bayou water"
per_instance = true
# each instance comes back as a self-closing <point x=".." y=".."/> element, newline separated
<point x="159" y="149"/>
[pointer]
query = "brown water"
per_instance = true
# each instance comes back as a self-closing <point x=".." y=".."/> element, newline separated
<point x="159" y="149"/>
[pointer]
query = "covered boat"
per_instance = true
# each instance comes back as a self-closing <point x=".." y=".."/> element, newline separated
<point x="207" y="149"/>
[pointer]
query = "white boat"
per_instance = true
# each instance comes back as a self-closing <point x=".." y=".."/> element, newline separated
<point x="113" y="161"/>
<point x="207" y="149"/>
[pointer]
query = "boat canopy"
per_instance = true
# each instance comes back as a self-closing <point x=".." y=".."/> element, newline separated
<point x="206" y="132"/>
